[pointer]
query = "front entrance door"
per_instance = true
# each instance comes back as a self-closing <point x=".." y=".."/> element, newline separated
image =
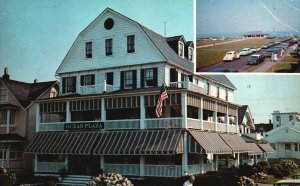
<point x="84" y="165"/>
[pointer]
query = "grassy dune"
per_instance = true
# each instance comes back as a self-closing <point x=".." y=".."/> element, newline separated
<point x="209" y="56"/>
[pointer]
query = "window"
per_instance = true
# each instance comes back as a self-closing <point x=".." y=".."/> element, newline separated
<point x="12" y="117"/>
<point x="291" y="117"/>
<point x="296" y="147"/>
<point x="88" y="49"/>
<point x="180" y="50"/>
<point x="69" y="85"/>
<point x="2" y="155"/>
<point x="287" y="146"/>
<point x="86" y="80"/>
<point x="128" y="79"/>
<point x="108" y="46"/>
<point x="3" y="94"/>
<point x="207" y="88"/>
<point x="3" y="116"/>
<point x="110" y="78"/>
<point x="218" y="92"/>
<point x="149" y="77"/>
<point x="130" y="44"/>
<point x="190" y="54"/>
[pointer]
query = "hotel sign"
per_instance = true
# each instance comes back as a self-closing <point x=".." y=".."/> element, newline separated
<point x="84" y="126"/>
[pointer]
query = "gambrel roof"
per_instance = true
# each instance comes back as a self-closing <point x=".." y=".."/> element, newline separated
<point x="159" y="42"/>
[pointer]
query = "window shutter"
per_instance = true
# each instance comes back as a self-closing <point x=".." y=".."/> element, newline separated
<point x="93" y="79"/>
<point x="64" y="85"/>
<point x="74" y="83"/>
<point x="142" y="78"/>
<point x="81" y="80"/>
<point x="191" y="78"/>
<point x="122" y="80"/>
<point x="155" y="77"/>
<point x="134" y="79"/>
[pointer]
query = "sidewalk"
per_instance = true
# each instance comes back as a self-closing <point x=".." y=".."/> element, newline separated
<point x="266" y="66"/>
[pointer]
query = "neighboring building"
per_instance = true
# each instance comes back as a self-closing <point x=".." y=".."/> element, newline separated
<point x="285" y="137"/>
<point x="245" y="119"/>
<point x="282" y="118"/>
<point x="263" y="128"/>
<point x="255" y="34"/>
<point x="17" y="117"/>
<point x="105" y="116"/>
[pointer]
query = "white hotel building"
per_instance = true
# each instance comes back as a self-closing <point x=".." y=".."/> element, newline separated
<point x="105" y="116"/>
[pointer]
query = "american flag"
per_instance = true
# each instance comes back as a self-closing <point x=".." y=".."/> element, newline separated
<point x="163" y="95"/>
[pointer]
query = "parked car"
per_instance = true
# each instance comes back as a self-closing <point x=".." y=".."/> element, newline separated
<point x="231" y="55"/>
<point x="255" y="59"/>
<point x="245" y="51"/>
<point x="266" y="45"/>
<point x="296" y="176"/>
<point x="255" y="49"/>
<point x="287" y="183"/>
<point x="268" y="52"/>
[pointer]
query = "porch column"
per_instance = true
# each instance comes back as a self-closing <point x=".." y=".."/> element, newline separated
<point x="68" y="112"/>
<point x="102" y="162"/>
<point x="8" y="156"/>
<point x="142" y="112"/>
<point x="35" y="163"/>
<point x="103" y="110"/>
<point x="216" y="116"/>
<point x="217" y="161"/>
<point x="202" y="166"/>
<point x="7" y="121"/>
<point x="236" y="121"/>
<point x="142" y="165"/>
<point x="201" y="113"/>
<point x="184" y="109"/>
<point x="184" y="155"/>
<point x="238" y="159"/>
<point x="227" y="119"/>
<point x="66" y="162"/>
<point x="37" y="117"/>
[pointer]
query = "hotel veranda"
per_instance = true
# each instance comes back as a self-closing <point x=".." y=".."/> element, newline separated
<point x="104" y="118"/>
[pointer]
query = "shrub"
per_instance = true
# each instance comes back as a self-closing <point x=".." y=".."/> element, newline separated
<point x="246" y="170"/>
<point x="289" y="165"/>
<point x="260" y="177"/>
<point x="5" y="177"/>
<point x="245" y="181"/>
<point x="110" y="179"/>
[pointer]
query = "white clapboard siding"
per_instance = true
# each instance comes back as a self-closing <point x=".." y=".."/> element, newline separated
<point x="145" y="51"/>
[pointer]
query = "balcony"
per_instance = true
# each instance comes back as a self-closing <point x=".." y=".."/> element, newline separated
<point x="193" y="123"/>
<point x="96" y="89"/>
<point x="209" y="125"/>
<point x="163" y="123"/>
<point x="188" y="85"/>
<point x="232" y="128"/>
<point x="221" y="127"/>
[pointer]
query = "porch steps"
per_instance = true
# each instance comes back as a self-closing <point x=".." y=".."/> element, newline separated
<point x="75" y="180"/>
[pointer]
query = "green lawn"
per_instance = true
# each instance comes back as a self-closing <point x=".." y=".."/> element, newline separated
<point x="209" y="56"/>
<point x="209" y="41"/>
<point x="290" y="58"/>
<point x="273" y="180"/>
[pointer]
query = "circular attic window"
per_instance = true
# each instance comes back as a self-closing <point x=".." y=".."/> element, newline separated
<point x="109" y="23"/>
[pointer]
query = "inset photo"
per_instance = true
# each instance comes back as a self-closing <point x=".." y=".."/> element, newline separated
<point x="247" y="36"/>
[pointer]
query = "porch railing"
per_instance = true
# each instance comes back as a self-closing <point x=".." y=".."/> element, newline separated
<point x="221" y="127"/>
<point x="208" y="125"/>
<point x="50" y="166"/>
<point x="163" y="123"/>
<point x="122" y="124"/>
<point x="188" y="85"/>
<point x="207" y="167"/>
<point x="194" y="169"/>
<point x="163" y="170"/>
<point x="232" y="128"/>
<point x="126" y="169"/>
<point x="55" y="126"/>
<point x="193" y="123"/>
<point x="96" y="89"/>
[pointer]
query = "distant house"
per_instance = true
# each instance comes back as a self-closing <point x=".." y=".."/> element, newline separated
<point x="262" y="128"/>
<point x="255" y="34"/>
<point x="245" y="119"/>
<point x="17" y="118"/>
<point x="285" y="137"/>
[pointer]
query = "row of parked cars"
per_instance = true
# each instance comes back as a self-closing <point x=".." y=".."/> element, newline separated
<point x="295" y="181"/>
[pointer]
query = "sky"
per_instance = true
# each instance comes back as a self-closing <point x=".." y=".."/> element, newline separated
<point x="36" y="35"/>
<point x="267" y="93"/>
<point x="240" y="16"/>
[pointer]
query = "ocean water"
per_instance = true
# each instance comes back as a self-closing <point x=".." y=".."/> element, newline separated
<point x="239" y="34"/>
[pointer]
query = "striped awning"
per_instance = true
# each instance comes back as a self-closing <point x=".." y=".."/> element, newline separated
<point x="235" y="142"/>
<point x="254" y="149"/>
<point x="266" y="147"/>
<point x="211" y="142"/>
<point x="62" y="143"/>
<point x="140" y="142"/>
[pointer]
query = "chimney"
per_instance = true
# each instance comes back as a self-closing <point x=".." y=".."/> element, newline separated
<point x="35" y="81"/>
<point x="270" y="121"/>
<point x="5" y="75"/>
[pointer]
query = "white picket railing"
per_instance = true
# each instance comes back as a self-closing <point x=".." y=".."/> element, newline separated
<point x="96" y="89"/>
<point x="193" y="123"/>
<point x="163" y="123"/>
<point x="126" y="169"/>
<point x="50" y="166"/>
<point x="188" y="85"/>
<point x="122" y="124"/>
<point x="163" y="170"/>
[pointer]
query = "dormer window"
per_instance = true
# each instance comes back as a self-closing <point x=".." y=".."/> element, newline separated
<point x="3" y="94"/>
<point x="181" y="49"/>
<point x="130" y="44"/>
<point x="69" y="84"/>
<point x="190" y="55"/>
<point x="88" y="49"/>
